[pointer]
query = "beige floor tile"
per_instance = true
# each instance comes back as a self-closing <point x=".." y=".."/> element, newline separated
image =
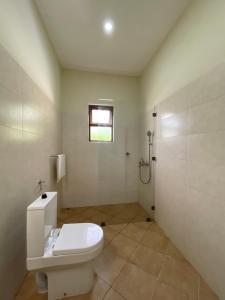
<point x="28" y="290"/>
<point x="115" y="210"/>
<point x="166" y="292"/>
<point x="155" y="240"/>
<point x="122" y="246"/>
<point x="111" y="210"/>
<point x="133" y="232"/>
<point x="117" y="227"/>
<point x="117" y="221"/>
<point x="59" y="224"/>
<point x="205" y="292"/>
<point x="174" y="252"/>
<point x="88" y="213"/>
<point x="141" y="223"/>
<point x="77" y="210"/>
<point x="113" y="295"/>
<point x="127" y="215"/>
<point x="97" y="293"/>
<point x="64" y="213"/>
<point x="99" y="218"/>
<point x="134" y="284"/>
<point x="108" y="266"/>
<point x="67" y="213"/>
<point x="155" y="228"/>
<point x="134" y="278"/>
<point x="77" y="219"/>
<point x="148" y="260"/>
<point x="121" y="219"/>
<point x="109" y="234"/>
<point x="181" y="276"/>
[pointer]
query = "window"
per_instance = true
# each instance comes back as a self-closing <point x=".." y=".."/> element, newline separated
<point x="100" y="123"/>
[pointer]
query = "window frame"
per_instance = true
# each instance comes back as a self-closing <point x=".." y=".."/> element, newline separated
<point x="93" y="124"/>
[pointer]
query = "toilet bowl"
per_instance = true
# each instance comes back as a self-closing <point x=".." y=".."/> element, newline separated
<point x="62" y="257"/>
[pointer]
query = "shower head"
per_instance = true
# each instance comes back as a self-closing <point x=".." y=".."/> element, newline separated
<point x="149" y="133"/>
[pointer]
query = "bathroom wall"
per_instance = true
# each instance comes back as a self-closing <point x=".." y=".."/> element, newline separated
<point x="29" y="130"/>
<point x="187" y="87"/>
<point x="193" y="47"/>
<point x="190" y="173"/>
<point x="23" y="35"/>
<point x="99" y="173"/>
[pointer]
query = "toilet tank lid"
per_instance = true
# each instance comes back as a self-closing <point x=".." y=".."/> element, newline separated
<point x="40" y="204"/>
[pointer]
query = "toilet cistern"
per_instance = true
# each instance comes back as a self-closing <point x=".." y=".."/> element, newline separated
<point x="61" y="258"/>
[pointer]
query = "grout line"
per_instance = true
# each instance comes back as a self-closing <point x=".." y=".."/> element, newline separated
<point x="153" y="293"/>
<point x="162" y="265"/>
<point x="119" y="293"/>
<point x="106" y="293"/>
<point x="126" y="262"/>
<point x="199" y="282"/>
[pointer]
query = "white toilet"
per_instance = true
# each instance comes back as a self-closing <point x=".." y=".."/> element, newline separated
<point x="61" y="257"/>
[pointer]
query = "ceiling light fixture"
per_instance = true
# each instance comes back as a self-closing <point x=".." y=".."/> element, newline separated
<point x="108" y="27"/>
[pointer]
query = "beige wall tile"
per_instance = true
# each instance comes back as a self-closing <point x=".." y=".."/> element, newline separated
<point x="189" y="175"/>
<point x="24" y="160"/>
<point x="109" y="173"/>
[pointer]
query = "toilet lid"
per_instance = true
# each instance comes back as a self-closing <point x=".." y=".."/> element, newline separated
<point x="77" y="238"/>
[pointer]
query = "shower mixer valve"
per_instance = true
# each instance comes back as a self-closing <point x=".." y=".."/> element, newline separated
<point x="143" y="163"/>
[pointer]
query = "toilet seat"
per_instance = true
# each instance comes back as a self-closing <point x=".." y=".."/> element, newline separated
<point x="78" y="238"/>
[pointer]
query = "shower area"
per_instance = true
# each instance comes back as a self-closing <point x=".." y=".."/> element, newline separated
<point x="188" y="174"/>
<point x="147" y="160"/>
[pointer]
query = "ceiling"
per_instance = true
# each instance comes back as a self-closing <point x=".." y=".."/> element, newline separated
<point x="75" y="30"/>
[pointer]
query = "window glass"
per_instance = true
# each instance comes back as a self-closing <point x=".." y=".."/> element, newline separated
<point x="100" y="116"/>
<point x="101" y="134"/>
<point x="100" y="123"/>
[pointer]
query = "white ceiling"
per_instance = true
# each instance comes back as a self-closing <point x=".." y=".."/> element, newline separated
<point x="75" y="29"/>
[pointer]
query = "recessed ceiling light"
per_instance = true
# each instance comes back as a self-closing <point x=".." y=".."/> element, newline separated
<point x="108" y="26"/>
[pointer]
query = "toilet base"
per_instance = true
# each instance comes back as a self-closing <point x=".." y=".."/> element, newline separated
<point x="76" y="280"/>
<point x="41" y="282"/>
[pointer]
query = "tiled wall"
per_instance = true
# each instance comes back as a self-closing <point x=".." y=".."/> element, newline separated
<point x="190" y="173"/>
<point x="29" y="134"/>
<point x="99" y="173"/>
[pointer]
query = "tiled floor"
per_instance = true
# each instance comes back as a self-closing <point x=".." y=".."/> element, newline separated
<point x="138" y="261"/>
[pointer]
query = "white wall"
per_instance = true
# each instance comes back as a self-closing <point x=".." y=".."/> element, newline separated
<point x="99" y="173"/>
<point x="190" y="173"/>
<point x="24" y="37"/>
<point x="29" y="130"/>
<point x="188" y="177"/>
<point x="195" y="46"/>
